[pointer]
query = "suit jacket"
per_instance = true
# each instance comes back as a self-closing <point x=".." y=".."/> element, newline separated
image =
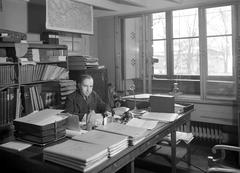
<point x="78" y="105"/>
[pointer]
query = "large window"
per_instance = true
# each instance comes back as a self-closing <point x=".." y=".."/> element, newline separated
<point x="186" y="42"/>
<point x="159" y="43"/>
<point x="196" y="43"/>
<point x="219" y="41"/>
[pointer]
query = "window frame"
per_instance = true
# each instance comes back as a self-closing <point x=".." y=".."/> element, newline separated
<point x="203" y="77"/>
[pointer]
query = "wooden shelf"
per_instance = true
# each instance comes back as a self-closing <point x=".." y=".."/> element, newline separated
<point x="36" y="45"/>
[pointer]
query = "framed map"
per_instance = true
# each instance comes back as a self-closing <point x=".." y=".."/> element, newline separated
<point x="69" y="16"/>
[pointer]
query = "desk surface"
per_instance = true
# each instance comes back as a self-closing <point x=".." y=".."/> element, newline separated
<point x="31" y="159"/>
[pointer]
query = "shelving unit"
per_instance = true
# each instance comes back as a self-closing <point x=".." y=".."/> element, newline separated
<point x="30" y="82"/>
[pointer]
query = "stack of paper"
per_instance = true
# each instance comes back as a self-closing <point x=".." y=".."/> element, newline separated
<point x="114" y="142"/>
<point x="181" y="136"/>
<point x="135" y="134"/>
<point x="15" y="145"/>
<point x="159" y="116"/>
<point x="77" y="155"/>
<point x="147" y="124"/>
<point x="42" y="126"/>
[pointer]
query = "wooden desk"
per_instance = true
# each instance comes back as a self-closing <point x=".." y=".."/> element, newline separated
<point x="31" y="159"/>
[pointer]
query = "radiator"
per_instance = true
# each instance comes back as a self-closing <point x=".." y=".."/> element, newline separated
<point x="205" y="131"/>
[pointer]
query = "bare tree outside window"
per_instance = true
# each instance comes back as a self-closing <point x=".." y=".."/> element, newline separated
<point x="159" y="44"/>
<point x="186" y="42"/>
<point x="219" y="41"/>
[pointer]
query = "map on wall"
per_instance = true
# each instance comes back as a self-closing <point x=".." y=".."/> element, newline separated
<point x="69" y="16"/>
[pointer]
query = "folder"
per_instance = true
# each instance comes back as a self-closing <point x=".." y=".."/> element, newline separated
<point x="162" y="103"/>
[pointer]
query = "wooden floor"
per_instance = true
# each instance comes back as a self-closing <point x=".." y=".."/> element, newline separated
<point x="199" y="163"/>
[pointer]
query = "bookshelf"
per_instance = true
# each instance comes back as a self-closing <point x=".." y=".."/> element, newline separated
<point x="29" y="78"/>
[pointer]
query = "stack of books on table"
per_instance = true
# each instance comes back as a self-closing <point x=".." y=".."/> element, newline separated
<point x="135" y="134"/>
<point x="114" y="142"/>
<point x="77" y="155"/>
<point x="41" y="127"/>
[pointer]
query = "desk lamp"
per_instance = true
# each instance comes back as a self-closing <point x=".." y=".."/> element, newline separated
<point x="132" y="87"/>
<point x="176" y="90"/>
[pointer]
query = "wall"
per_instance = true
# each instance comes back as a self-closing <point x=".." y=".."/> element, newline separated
<point x="106" y="47"/>
<point x="14" y="15"/>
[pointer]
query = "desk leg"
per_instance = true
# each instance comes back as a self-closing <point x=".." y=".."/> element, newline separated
<point x="188" y="125"/>
<point x="129" y="168"/>
<point x="173" y="153"/>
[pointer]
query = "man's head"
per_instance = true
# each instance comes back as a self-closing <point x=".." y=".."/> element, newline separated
<point x="85" y="84"/>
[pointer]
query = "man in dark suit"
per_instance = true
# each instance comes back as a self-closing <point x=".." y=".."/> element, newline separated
<point x="84" y="100"/>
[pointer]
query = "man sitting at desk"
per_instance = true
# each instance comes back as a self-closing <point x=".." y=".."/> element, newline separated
<point x="84" y="100"/>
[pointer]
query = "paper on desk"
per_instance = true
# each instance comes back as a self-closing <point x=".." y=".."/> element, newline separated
<point x="138" y="96"/>
<point x="120" y="110"/>
<point x="160" y="116"/>
<point x="43" y="117"/>
<point x="71" y="133"/>
<point x="147" y="124"/>
<point x="15" y="145"/>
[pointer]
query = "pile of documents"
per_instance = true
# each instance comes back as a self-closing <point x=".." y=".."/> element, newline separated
<point x="135" y="134"/>
<point x="147" y="124"/>
<point x="114" y="142"/>
<point x="77" y="155"/>
<point x="160" y="116"/>
<point x="186" y="137"/>
<point x="41" y="127"/>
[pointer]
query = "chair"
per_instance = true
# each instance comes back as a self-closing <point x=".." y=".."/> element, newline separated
<point x="218" y="162"/>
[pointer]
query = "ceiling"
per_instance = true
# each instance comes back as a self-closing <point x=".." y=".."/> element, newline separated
<point x="122" y="7"/>
<point x="104" y="8"/>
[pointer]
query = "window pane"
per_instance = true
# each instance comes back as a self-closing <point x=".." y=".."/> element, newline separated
<point x="159" y="54"/>
<point x="220" y="56"/>
<point x="186" y="56"/>
<point x="219" y="21"/>
<point x="159" y="25"/>
<point x="185" y="23"/>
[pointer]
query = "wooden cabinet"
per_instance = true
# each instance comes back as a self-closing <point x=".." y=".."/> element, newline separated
<point x="29" y="76"/>
<point x="100" y="80"/>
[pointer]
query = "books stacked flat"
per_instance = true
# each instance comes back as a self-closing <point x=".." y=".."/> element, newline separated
<point x="82" y="62"/>
<point x="135" y="134"/>
<point x="114" y="142"/>
<point x="41" y="127"/>
<point x="77" y="155"/>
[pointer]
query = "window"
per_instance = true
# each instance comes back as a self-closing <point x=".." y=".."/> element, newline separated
<point x="219" y="41"/>
<point x="159" y="43"/>
<point x="186" y="42"/>
<point x="178" y="37"/>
